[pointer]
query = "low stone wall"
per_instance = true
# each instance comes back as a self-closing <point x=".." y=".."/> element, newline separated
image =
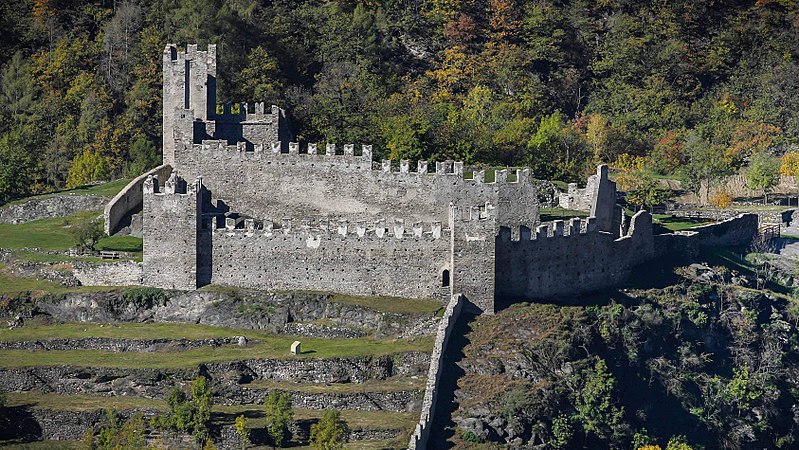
<point x="122" y="273"/>
<point x="129" y="199"/>
<point x="117" y="345"/>
<point x="396" y="401"/>
<point x="685" y="244"/>
<point x="50" y="206"/>
<point x="421" y="434"/>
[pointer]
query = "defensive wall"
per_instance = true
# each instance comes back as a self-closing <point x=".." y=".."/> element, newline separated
<point x="421" y="434"/>
<point x="566" y="258"/>
<point x="129" y="199"/>
<point x="343" y="181"/>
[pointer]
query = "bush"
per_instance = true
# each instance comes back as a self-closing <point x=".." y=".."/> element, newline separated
<point x="721" y="199"/>
<point x="330" y="433"/>
<point x="470" y="436"/>
<point x="87" y="233"/>
<point x="145" y="297"/>
<point x="279" y="416"/>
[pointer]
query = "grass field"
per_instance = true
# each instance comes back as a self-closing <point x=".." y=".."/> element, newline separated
<point x="266" y="346"/>
<point x="674" y="223"/>
<point x="388" y="385"/>
<point x="109" y="189"/>
<point x="14" y="284"/>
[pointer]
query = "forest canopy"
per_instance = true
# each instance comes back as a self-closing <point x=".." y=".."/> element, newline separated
<point x="697" y="88"/>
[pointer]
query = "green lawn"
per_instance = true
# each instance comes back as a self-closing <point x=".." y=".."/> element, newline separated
<point x="14" y="284"/>
<point x="53" y="234"/>
<point x="46" y="234"/>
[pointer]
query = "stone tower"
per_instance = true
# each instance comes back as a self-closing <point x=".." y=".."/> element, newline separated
<point x="189" y="85"/>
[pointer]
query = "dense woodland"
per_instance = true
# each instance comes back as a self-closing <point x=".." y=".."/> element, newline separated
<point x="698" y="88"/>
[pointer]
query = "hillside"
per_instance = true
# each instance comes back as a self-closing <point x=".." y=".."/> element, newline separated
<point x="558" y="86"/>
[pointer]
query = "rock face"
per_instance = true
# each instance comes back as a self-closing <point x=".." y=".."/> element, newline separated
<point x="276" y="313"/>
<point x="47" y="207"/>
<point x="230" y="380"/>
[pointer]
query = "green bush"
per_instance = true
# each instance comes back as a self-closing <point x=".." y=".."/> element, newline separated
<point x="145" y="297"/>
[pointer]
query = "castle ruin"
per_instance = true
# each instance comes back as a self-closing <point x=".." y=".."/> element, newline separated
<point x="244" y="206"/>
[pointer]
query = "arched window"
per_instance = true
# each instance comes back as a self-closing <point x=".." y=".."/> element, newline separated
<point x="445" y="278"/>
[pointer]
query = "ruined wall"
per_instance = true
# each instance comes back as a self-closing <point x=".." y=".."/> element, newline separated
<point x="569" y="258"/>
<point x="170" y="228"/>
<point x="736" y="231"/>
<point x="122" y="273"/>
<point x="421" y="434"/>
<point x="266" y="183"/>
<point x="384" y="258"/>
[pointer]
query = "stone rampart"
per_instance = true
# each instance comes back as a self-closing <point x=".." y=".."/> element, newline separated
<point x="129" y="199"/>
<point x="567" y="258"/>
<point x="343" y="181"/>
<point x="736" y="231"/>
<point x="421" y="434"/>
<point x="395" y="260"/>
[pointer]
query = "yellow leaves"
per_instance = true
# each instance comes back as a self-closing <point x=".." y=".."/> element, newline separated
<point x="649" y="447"/>
<point x="456" y="70"/>
<point x="727" y="104"/>
<point x="790" y="164"/>
<point x="721" y="199"/>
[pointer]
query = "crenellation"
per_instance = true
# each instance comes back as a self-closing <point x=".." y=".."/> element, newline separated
<point x="399" y="228"/>
<point x="330" y="149"/>
<point x="342" y="227"/>
<point x="294" y="148"/>
<point x="285" y="225"/>
<point x="385" y="165"/>
<point x="501" y="176"/>
<point x="276" y="147"/>
<point x="542" y="231"/>
<point x="421" y="167"/>
<point x="366" y="152"/>
<point x="457" y="168"/>
<point x="405" y="166"/>
<point x="312" y="148"/>
<point x="349" y="150"/>
<point x="479" y="176"/>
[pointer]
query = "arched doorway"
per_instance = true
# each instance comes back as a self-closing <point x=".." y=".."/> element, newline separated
<point x="445" y="278"/>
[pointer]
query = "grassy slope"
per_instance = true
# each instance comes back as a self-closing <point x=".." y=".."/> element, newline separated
<point x="267" y="346"/>
<point x="109" y="189"/>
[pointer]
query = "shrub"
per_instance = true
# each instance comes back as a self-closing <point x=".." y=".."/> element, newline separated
<point x="279" y="416"/>
<point x="721" y="199"/>
<point x="470" y="436"/>
<point x="145" y="297"/>
<point x="330" y="433"/>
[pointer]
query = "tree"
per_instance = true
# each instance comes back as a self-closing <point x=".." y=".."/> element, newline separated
<point x="704" y="166"/>
<point x="202" y="398"/>
<point x="763" y="173"/>
<point x="642" y="188"/>
<point x="330" y="433"/>
<point x="87" y="233"/>
<point x="595" y="405"/>
<point x="790" y="168"/>
<point x="87" y="167"/>
<point x="17" y="94"/>
<point x="241" y="430"/>
<point x="279" y="416"/>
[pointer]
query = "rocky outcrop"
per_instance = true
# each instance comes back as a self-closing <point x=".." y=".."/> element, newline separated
<point x="118" y="345"/>
<point x="226" y="376"/>
<point x="276" y="313"/>
<point x="50" y="206"/>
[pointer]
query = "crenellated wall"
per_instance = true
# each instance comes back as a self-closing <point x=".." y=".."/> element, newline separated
<point x="344" y="182"/>
<point x="386" y="257"/>
<point x="566" y="258"/>
<point x="171" y="219"/>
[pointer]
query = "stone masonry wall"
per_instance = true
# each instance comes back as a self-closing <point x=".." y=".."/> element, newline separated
<point x="398" y="260"/>
<point x="421" y="434"/>
<point x="123" y="273"/>
<point x="170" y="226"/>
<point x="569" y="259"/>
<point x="129" y="199"/>
<point x="345" y="185"/>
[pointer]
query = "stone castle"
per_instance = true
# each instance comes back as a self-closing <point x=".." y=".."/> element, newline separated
<point x="241" y="205"/>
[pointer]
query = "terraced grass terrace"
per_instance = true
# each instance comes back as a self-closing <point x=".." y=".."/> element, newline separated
<point x="387" y="385"/>
<point x="222" y="414"/>
<point x="272" y="347"/>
